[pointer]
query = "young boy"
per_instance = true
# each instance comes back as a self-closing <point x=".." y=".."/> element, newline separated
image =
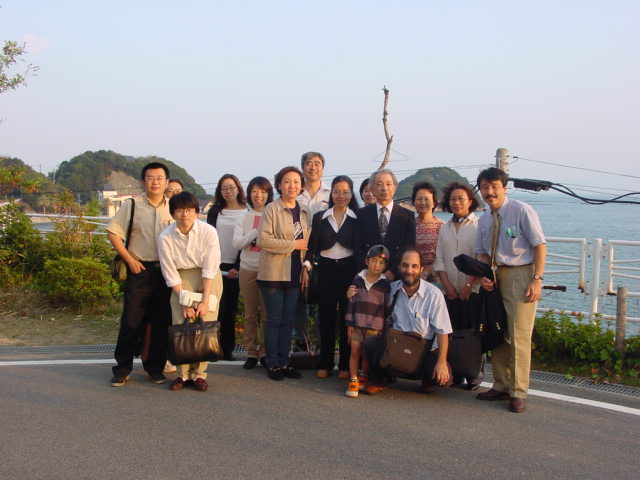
<point x="368" y="305"/>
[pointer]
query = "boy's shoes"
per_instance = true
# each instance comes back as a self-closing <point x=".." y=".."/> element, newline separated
<point x="119" y="380"/>
<point x="372" y="388"/>
<point x="362" y="380"/>
<point x="250" y="363"/>
<point x="291" y="372"/>
<point x="353" y="387"/>
<point x="275" y="373"/>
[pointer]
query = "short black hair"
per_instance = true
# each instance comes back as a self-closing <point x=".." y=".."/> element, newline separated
<point x="153" y="166"/>
<point x="448" y="190"/>
<point x="175" y="180"/>
<point x="493" y="174"/>
<point x="428" y="187"/>
<point x="363" y="185"/>
<point x="183" y="200"/>
<point x="282" y="173"/>
<point x="263" y="184"/>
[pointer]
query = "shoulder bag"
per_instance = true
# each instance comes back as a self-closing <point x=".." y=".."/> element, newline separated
<point x="118" y="266"/>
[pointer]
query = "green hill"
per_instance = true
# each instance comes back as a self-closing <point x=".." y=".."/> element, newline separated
<point x="438" y="176"/>
<point x="87" y="173"/>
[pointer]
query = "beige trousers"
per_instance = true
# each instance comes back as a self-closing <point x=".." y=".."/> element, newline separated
<point x="253" y="314"/>
<point x="192" y="281"/>
<point x="511" y="362"/>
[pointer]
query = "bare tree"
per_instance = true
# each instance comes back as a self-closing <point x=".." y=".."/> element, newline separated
<point x="389" y="138"/>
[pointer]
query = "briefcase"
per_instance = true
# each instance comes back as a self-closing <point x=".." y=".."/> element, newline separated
<point x="405" y="353"/>
<point x="194" y="342"/>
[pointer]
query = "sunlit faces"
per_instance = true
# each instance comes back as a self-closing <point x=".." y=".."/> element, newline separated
<point x="424" y="201"/>
<point x="155" y="181"/>
<point x="185" y="218"/>
<point x="493" y="192"/>
<point x="341" y="194"/>
<point x="174" y="188"/>
<point x="410" y="268"/>
<point x="376" y="265"/>
<point x="459" y="202"/>
<point x="229" y="190"/>
<point x="313" y="169"/>
<point x="258" y="198"/>
<point x="384" y="188"/>
<point x="290" y="186"/>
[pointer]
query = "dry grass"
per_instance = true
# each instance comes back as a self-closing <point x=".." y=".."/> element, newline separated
<point x="26" y="319"/>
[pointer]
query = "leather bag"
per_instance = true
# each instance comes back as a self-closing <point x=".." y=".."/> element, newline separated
<point x="194" y="342"/>
<point x="405" y="353"/>
<point x="309" y="360"/>
<point x="465" y="353"/>
<point x="118" y="266"/>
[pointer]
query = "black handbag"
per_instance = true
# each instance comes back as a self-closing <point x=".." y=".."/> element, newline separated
<point x="465" y="353"/>
<point x="193" y="342"/>
<point x="310" y="293"/>
<point x="118" y="266"/>
<point x="309" y="360"/>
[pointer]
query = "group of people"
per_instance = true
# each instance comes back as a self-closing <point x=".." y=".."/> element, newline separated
<point x="375" y="267"/>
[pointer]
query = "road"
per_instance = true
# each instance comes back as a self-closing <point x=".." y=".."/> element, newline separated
<point x="62" y="421"/>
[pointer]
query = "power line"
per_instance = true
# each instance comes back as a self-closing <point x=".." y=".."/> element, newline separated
<point x="576" y="168"/>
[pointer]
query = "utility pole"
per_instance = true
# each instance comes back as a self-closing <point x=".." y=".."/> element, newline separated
<point x="502" y="159"/>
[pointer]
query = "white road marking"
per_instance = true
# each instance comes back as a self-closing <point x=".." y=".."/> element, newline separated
<point x="581" y="401"/>
<point x="536" y="393"/>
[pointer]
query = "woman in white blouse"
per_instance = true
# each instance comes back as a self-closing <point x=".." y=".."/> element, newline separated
<point x="456" y="237"/>
<point x="245" y="234"/>
<point x="229" y="205"/>
<point x="190" y="260"/>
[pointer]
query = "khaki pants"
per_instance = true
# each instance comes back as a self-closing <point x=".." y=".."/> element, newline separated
<point x="511" y="362"/>
<point x="253" y="314"/>
<point x="192" y="281"/>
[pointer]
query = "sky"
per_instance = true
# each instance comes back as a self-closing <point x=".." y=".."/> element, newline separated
<point x="246" y="87"/>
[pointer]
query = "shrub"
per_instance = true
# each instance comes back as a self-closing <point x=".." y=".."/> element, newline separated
<point x="20" y="241"/>
<point x="80" y="282"/>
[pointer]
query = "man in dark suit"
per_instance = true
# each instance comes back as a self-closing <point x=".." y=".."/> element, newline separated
<point x="385" y="223"/>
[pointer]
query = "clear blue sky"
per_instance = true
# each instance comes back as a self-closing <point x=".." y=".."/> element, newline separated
<point x="246" y="87"/>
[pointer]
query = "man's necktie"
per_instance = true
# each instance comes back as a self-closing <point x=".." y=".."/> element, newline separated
<point x="383" y="223"/>
<point x="494" y="242"/>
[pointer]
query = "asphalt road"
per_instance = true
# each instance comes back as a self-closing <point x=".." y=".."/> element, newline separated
<point x="67" y="422"/>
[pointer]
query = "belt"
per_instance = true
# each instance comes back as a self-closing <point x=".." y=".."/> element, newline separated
<point x="331" y="261"/>
<point x="514" y="266"/>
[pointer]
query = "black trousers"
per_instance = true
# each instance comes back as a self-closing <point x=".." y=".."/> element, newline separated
<point x="146" y="301"/>
<point x="334" y="278"/>
<point x="228" y="310"/>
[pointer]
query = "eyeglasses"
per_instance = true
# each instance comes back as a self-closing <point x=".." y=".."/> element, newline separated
<point x="155" y="179"/>
<point x="343" y="193"/>
<point x="229" y="189"/>
<point x="186" y="211"/>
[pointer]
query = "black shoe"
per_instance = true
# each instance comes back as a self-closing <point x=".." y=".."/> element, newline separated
<point x="263" y="362"/>
<point x="119" y="380"/>
<point x="275" y="373"/>
<point x="157" y="378"/>
<point x="473" y="386"/>
<point x="250" y="363"/>
<point x="291" y="372"/>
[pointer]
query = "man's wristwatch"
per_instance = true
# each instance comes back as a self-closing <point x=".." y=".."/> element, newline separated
<point x="537" y="276"/>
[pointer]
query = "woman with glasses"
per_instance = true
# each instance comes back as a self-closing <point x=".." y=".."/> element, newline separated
<point x="331" y="246"/>
<point x="229" y="205"/>
<point x="457" y="236"/>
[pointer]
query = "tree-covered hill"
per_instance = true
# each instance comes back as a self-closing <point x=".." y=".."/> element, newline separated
<point x="438" y="176"/>
<point x="87" y="173"/>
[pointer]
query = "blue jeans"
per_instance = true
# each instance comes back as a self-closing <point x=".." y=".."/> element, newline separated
<point x="280" y="304"/>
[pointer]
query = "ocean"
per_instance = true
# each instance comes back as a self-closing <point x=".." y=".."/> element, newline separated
<point x="564" y="216"/>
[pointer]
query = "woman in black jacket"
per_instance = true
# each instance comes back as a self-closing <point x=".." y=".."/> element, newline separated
<point x="331" y="245"/>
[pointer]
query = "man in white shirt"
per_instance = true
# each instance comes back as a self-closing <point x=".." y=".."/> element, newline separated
<point x="419" y="308"/>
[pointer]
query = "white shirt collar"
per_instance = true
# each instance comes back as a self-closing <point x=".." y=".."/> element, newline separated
<point x="388" y="206"/>
<point x="329" y="211"/>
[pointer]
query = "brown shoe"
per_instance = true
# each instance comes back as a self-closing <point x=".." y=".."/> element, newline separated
<point x="200" y="385"/>
<point x="344" y="375"/>
<point x="517" y="404"/>
<point x="177" y="384"/>
<point x="493" y="395"/>
<point x="427" y="388"/>
<point x="372" y="388"/>
<point x="322" y="373"/>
